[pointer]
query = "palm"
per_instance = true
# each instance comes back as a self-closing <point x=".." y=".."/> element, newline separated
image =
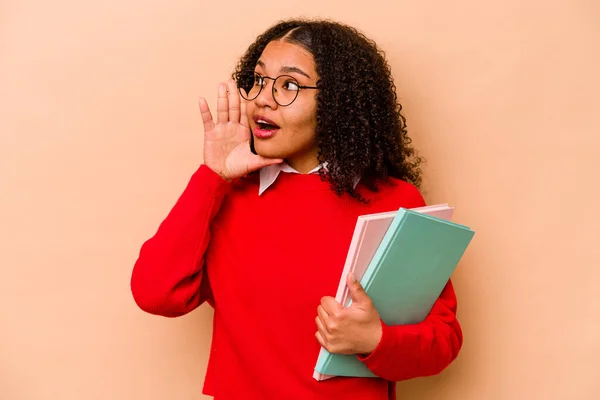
<point x="226" y="143"/>
<point x="223" y="145"/>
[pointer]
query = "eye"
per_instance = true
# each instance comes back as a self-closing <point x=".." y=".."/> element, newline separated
<point x="259" y="80"/>
<point x="291" y="85"/>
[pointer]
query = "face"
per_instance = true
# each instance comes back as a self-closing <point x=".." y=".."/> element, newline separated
<point x="286" y="132"/>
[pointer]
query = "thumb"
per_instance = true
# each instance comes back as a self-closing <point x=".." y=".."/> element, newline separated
<point x="357" y="292"/>
<point x="255" y="161"/>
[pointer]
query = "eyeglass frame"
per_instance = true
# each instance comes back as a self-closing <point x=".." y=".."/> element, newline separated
<point x="273" y="87"/>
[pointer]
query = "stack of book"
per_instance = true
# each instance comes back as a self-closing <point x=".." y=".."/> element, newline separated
<point x="403" y="259"/>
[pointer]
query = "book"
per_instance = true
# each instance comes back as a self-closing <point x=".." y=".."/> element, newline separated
<point x="368" y="234"/>
<point x="403" y="259"/>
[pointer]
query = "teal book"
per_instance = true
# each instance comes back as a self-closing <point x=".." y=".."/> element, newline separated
<point x="405" y="277"/>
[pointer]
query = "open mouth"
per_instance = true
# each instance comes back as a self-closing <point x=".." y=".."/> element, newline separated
<point x="265" y="124"/>
<point x="265" y="128"/>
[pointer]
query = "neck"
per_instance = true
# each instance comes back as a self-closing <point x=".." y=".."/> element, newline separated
<point x="304" y="167"/>
<point x="304" y="163"/>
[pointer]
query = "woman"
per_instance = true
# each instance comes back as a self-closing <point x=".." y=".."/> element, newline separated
<point x="262" y="229"/>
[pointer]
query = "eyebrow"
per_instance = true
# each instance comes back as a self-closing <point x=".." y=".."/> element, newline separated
<point x="286" y="69"/>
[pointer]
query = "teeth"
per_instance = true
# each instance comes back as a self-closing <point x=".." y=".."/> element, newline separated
<point x="260" y="121"/>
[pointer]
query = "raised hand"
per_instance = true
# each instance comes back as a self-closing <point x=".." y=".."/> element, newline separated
<point x="227" y="143"/>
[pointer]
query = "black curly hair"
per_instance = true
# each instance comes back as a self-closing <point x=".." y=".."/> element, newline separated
<point x="360" y="128"/>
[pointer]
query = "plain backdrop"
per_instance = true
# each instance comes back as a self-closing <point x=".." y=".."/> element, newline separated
<point x="100" y="132"/>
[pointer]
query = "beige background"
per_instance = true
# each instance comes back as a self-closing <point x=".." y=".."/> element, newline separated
<point x="100" y="132"/>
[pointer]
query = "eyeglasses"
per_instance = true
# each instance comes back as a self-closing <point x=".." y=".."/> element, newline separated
<point x="285" y="87"/>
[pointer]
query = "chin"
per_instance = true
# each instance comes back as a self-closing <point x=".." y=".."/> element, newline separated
<point x="268" y="150"/>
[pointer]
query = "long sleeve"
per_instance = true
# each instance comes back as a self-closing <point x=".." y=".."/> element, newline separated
<point x="422" y="349"/>
<point x="167" y="278"/>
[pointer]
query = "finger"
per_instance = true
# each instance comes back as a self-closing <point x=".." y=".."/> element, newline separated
<point x="323" y="316"/>
<point x="329" y="325"/>
<point x="320" y="339"/>
<point x="234" y="101"/>
<point x="321" y="327"/>
<point x="331" y="306"/>
<point x="207" y="119"/>
<point x="256" y="162"/>
<point x="357" y="292"/>
<point x="222" y="104"/>
<point x="243" y="112"/>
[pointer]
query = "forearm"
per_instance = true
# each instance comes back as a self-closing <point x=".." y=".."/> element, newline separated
<point x="422" y="349"/>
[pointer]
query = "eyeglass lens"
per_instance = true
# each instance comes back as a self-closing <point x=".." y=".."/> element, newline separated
<point x="285" y="88"/>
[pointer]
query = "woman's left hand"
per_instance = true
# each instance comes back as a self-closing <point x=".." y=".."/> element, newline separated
<point x="352" y="330"/>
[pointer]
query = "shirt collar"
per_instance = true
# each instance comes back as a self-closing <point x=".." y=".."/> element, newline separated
<point x="269" y="174"/>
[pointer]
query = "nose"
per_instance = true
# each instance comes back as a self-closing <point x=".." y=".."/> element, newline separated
<point x="265" y="97"/>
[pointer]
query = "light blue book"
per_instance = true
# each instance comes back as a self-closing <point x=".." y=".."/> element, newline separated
<point x="405" y="277"/>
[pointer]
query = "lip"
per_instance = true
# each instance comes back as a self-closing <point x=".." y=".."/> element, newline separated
<point x="257" y="118"/>
<point x="263" y="133"/>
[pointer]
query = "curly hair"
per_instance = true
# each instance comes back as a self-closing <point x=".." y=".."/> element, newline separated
<point x="361" y="131"/>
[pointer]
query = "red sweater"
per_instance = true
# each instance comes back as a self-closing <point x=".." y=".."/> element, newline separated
<point x="264" y="263"/>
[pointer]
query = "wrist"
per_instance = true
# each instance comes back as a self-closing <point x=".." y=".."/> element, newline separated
<point x="374" y="339"/>
<point x="219" y="173"/>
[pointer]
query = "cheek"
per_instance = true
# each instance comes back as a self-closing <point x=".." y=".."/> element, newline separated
<point x="303" y="123"/>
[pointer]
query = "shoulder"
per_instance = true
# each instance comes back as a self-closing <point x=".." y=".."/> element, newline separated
<point x="394" y="193"/>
